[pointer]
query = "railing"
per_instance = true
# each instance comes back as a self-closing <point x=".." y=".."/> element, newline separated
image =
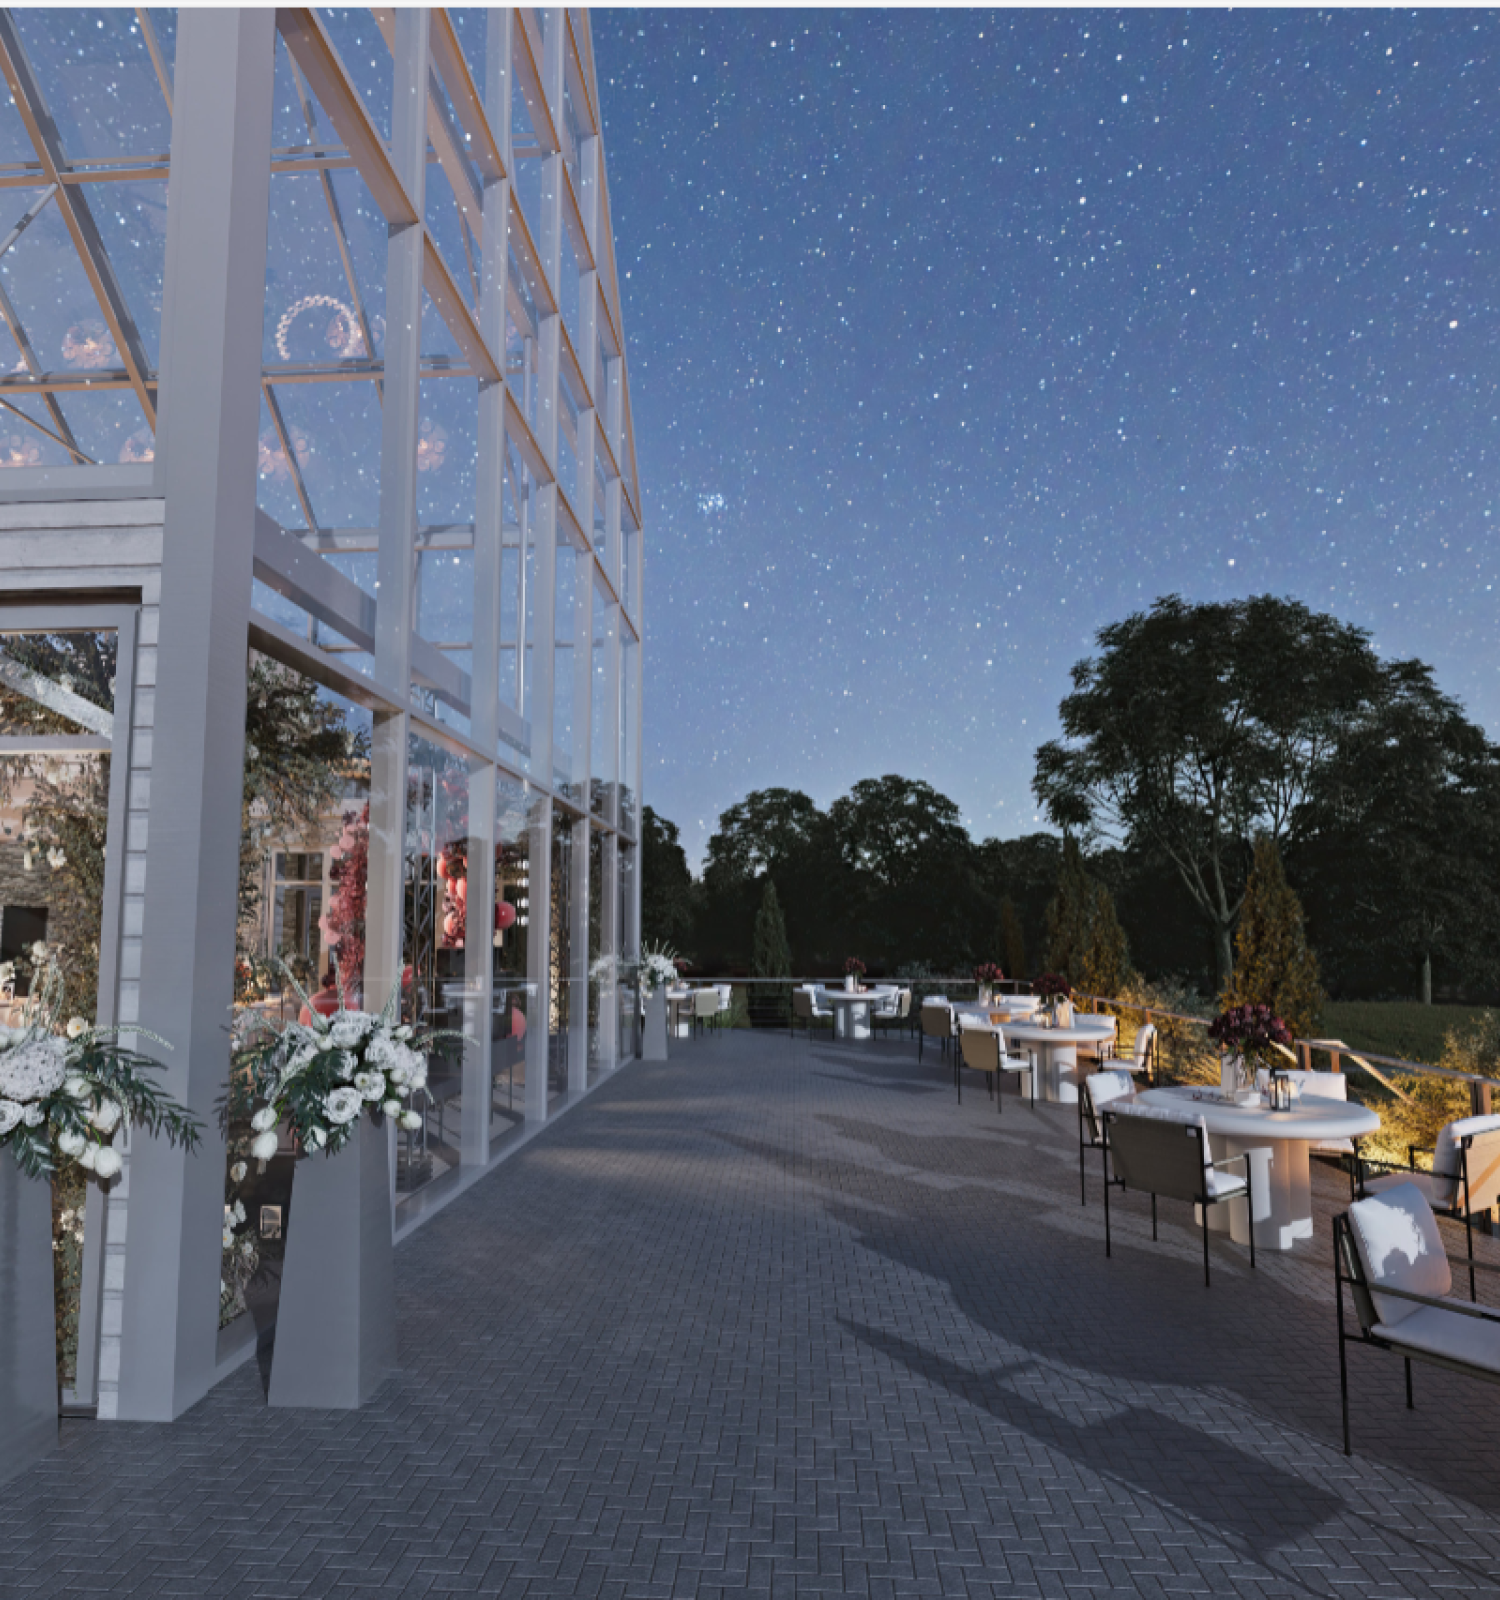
<point x="1377" y="1066"/>
<point x="1303" y="1050"/>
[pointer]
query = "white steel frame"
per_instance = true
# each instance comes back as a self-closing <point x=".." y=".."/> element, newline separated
<point x="441" y="114"/>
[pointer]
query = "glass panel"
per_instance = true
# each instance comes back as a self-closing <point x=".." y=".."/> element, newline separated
<point x="604" y="714"/>
<point x="98" y="81"/>
<point x="600" y="979"/>
<point x="334" y="431"/>
<point x="471" y="24"/>
<point x="447" y="452"/>
<point x="512" y="600"/>
<point x="630" y="666"/>
<point x="108" y="425"/>
<point x="132" y="220"/>
<point x="366" y="59"/>
<point x="567" y="296"/>
<point x="560" y="954"/>
<point x="22" y="445"/>
<point x="628" y="544"/>
<point x="510" y="985"/>
<point x="455" y="243"/>
<point x="304" y="868"/>
<point x="313" y="309"/>
<point x="58" y="684"/>
<point x="564" y="698"/>
<point x="629" y="954"/>
<point x="439" y="988"/>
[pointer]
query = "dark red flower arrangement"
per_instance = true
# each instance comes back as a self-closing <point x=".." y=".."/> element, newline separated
<point x="988" y="973"/>
<point x="1249" y="1030"/>
<point x="1053" y="986"/>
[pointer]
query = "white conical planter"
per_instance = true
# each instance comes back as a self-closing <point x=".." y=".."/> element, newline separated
<point x="654" y="1029"/>
<point x="28" y="1325"/>
<point x="336" y="1321"/>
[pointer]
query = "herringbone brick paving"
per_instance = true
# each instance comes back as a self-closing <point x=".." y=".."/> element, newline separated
<point x="779" y="1319"/>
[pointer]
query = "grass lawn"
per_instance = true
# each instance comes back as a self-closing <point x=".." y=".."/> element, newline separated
<point x="1404" y="1028"/>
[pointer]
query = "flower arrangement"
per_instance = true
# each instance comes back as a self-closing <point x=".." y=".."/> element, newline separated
<point x="854" y="968"/>
<point x="658" y="968"/>
<point x="987" y="974"/>
<point x="74" y="1085"/>
<point x="1052" y="987"/>
<point x="320" y="1074"/>
<point x="1249" y="1031"/>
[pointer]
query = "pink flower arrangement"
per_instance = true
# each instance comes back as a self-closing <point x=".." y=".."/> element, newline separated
<point x="855" y="967"/>
<point x="988" y="973"/>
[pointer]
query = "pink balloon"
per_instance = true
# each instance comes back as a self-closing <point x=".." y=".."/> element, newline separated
<point x="505" y="915"/>
<point x="517" y="1024"/>
<point x="461" y="891"/>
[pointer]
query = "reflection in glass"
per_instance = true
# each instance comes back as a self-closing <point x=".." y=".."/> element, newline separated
<point x="509" y="999"/>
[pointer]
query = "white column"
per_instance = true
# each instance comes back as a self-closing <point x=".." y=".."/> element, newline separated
<point x="218" y="195"/>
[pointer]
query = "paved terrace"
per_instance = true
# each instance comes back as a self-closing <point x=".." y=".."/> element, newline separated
<point x="777" y="1319"/>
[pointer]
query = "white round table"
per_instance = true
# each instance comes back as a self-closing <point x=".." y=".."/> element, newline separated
<point x="1019" y="1005"/>
<point x="851" y="1009"/>
<point x="1278" y="1143"/>
<point x="1055" y="1049"/>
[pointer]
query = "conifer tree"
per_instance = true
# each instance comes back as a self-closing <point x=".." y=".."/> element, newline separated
<point x="1274" y="965"/>
<point x="773" y="955"/>
<point x="1105" y="964"/>
<point x="1069" y="914"/>
<point x="1010" y="941"/>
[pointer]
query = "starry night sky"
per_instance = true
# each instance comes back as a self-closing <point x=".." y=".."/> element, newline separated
<point x="954" y="336"/>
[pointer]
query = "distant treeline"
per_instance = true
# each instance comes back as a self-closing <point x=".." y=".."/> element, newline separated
<point x="1196" y="731"/>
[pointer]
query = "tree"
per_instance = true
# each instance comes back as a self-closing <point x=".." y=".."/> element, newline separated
<point x="1085" y="941"/>
<point x="1010" y="941"/>
<point x="666" y="884"/>
<point x="1198" y="726"/>
<point x="773" y="956"/>
<point x="1403" y="831"/>
<point x="1275" y="966"/>
<point x="1105" y="967"/>
<point x="1069" y="914"/>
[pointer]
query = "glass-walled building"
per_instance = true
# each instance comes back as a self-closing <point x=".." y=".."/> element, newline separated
<point x="320" y="600"/>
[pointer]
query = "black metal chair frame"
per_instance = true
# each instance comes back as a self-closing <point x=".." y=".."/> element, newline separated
<point x="1009" y="1055"/>
<point x="1348" y="1272"/>
<point x="883" y="1023"/>
<point x="1203" y="1199"/>
<point x="1090" y="1117"/>
<point x="1461" y="1181"/>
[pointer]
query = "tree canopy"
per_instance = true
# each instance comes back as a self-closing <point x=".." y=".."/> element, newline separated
<point x="1197" y="727"/>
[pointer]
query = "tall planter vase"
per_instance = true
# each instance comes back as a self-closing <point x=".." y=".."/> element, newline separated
<point x="654" y="1033"/>
<point x="28" y="1330"/>
<point x="336" y="1324"/>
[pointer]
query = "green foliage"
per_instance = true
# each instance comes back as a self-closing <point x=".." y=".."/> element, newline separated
<point x="1183" y="1048"/>
<point x="300" y="754"/>
<point x="1198" y="726"/>
<point x="773" y="955"/>
<point x="1010" y="940"/>
<point x="666" y="884"/>
<point x="1432" y="1102"/>
<point x="1275" y="966"/>
<point x="1404" y="1028"/>
<point x="1085" y="942"/>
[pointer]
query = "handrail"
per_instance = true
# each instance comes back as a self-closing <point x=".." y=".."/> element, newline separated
<point x="1336" y="1048"/>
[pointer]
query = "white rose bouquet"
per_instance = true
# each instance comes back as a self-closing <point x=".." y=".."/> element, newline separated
<point x="658" y="968"/>
<point x="73" y="1084"/>
<point x="318" y="1075"/>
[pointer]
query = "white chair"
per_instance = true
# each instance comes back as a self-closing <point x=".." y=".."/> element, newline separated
<point x="982" y="1048"/>
<point x="937" y="1023"/>
<point x="1389" y="1254"/>
<point x="1099" y="1088"/>
<point x="1158" y="1149"/>
<point x="1465" y="1176"/>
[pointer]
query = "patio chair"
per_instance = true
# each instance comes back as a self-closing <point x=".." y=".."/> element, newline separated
<point x="896" y="1013"/>
<point x="1099" y="1088"/>
<point x="706" y="1006"/>
<point x="805" y="1009"/>
<point x="937" y="1023"/>
<point x="984" y="1050"/>
<point x="1388" y="1252"/>
<point x="1142" y="1057"/>
<point x="1167" y="1154"/>
<point x="1465" y="1178"/>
